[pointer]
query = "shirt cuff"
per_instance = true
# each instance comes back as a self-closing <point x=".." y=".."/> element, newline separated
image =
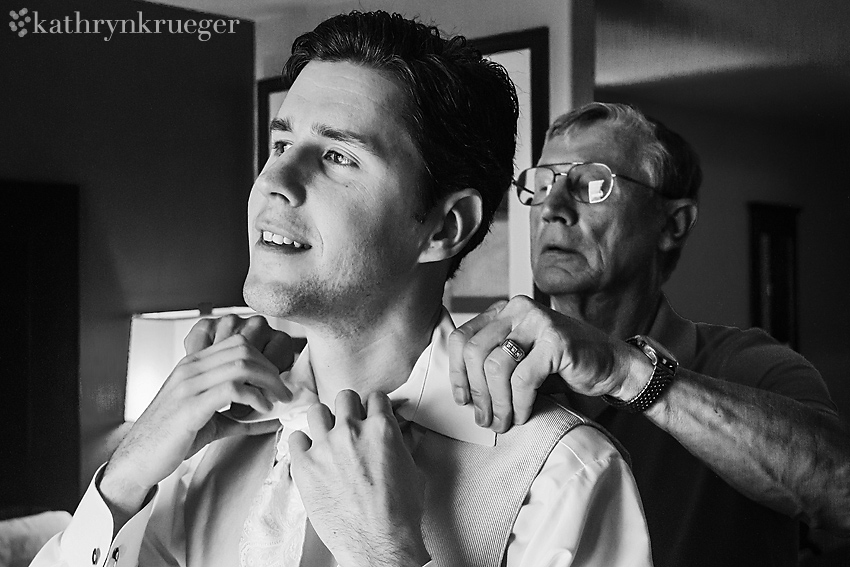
<point x="88" y="538"/>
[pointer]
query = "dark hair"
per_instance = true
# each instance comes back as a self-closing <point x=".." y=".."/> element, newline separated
<point x="461" y="108"/>
<point x="671" y="162"/>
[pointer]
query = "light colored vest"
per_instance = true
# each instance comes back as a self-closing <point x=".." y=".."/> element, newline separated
<point x="472" y="496"/>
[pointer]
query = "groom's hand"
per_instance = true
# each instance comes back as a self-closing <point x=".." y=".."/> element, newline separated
<point x="361" y="489"/>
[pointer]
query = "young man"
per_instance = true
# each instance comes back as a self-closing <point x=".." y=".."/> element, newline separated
<point x="733" y="436"/>
<point x="390" y="155"/>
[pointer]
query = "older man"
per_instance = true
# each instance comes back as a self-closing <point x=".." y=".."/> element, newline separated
<point x="390" y="155"/>
<point x="733" y="436"/>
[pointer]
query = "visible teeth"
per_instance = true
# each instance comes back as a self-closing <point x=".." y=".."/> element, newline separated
<point x="269" y="236"/>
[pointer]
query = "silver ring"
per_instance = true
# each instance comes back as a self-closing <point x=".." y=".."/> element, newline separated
<point x="513" y="349"/>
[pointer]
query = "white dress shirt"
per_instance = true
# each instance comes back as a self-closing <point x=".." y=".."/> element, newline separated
<point x="582" y="509"/>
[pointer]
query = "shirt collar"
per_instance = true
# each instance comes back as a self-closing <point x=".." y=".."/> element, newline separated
<point x="428" y="393"/>
<point x="677" y="334"/>
<point x="426" y="397"/>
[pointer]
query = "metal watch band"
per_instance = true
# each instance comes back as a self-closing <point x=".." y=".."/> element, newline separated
<point x="659" y="381"/>
<point x="665" y="367"/>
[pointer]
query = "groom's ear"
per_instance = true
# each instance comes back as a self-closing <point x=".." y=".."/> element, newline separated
<point x="455" y="220"/>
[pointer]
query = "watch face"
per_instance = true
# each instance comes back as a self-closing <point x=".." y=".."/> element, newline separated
<point x="656" y="352"/>
<point x="650" y="352"/>
<point x="662" y="350"/>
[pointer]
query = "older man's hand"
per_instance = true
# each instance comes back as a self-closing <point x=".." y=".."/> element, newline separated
<point x="503" y="391"/>
<point x="361" y="489"/>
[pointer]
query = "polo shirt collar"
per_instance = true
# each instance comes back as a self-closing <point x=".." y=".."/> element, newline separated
<point x="676" y="333"/>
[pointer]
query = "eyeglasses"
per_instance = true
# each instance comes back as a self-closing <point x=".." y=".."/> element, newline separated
<point x="587" y="182"/>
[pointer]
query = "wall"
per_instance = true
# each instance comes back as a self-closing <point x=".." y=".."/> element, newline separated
<point x="157" y="131"/>
<point x="777" y="160"/>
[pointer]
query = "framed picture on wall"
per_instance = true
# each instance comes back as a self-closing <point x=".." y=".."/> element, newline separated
<point x="500" y="268"/>
<point x="270" y="95"/>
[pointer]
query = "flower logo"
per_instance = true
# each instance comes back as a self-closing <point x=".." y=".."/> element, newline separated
<point x="19" y="19"/>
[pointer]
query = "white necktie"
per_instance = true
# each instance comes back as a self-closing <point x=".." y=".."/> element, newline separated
<point x="273" y="533"/>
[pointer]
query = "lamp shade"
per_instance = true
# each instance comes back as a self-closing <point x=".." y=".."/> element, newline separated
<point x="156" y="346"/>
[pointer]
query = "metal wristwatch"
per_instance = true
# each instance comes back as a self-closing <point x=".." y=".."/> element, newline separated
<point x="664" y="370"/>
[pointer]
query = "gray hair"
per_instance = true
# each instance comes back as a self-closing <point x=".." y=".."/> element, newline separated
<point x="671" y="162"/>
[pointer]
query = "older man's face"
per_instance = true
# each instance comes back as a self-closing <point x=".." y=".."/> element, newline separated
<point x="331" y="217"/>
<point x="602" y="247"/>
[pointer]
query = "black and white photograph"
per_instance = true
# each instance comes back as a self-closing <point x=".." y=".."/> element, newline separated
<point x="394" y="283"/>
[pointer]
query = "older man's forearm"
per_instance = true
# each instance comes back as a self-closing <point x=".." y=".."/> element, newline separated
<point x="770" y="448"/>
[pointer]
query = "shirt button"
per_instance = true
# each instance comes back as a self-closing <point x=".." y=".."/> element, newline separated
<point x="95" y="555"/>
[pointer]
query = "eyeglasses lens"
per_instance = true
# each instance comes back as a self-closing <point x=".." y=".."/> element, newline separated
<point x="590" y="182"/>
<point x="587" y="183"/>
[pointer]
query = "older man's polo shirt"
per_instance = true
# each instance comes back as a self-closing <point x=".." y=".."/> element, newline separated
<point x="695" y="518"/>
